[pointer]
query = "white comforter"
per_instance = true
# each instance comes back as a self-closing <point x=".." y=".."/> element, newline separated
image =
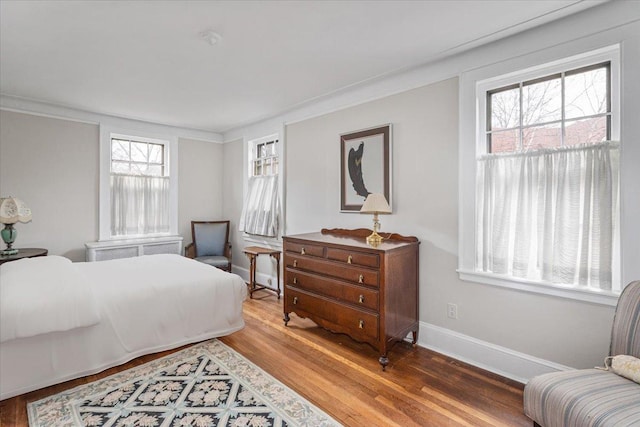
<point x="41" y="295"/>
<point x="146" y="304"/>
<point x="181" y="295"/>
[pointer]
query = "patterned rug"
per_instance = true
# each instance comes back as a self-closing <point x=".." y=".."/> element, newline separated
<point x="208" y="384"/>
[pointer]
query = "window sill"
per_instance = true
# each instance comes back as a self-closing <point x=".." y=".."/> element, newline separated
<point x="544" y="288"/>
<point x="121" y="240"/>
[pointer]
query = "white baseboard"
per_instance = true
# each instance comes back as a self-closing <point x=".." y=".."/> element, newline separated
<point x="260" y="277"/>
<point x="500" y="360"/>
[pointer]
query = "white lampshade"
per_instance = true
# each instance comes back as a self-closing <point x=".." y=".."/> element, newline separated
<point x="376" y="203"/>
<point x="13" y="210"/>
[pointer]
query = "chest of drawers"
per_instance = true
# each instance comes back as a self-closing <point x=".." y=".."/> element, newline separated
<point x="371" y="294"/>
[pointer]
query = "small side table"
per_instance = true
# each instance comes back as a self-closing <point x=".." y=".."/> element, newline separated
<point x="24" y="253"/>
<point x="253" y="252"/>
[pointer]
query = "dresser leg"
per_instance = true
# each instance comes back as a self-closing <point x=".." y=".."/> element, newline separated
<point x="286" y="319"/>
<point x="384" y="361"/>
<point x="415" y="338"/>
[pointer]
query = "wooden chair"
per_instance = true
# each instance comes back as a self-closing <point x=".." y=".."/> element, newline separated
<point x="210" y="244"/>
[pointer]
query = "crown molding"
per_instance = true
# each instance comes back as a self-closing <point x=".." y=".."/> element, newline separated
<point x="51" y="110"/>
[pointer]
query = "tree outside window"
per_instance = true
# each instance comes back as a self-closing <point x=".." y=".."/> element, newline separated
<point x="564" y="109"/>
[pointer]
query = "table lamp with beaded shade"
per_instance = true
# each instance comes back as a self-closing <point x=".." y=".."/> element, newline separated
<point x="12" y="210"/>
<point x="375" y="204"/>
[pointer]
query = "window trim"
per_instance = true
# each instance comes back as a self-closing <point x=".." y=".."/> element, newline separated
<point x="170" y="170"/>
<point x="473" y="142"/>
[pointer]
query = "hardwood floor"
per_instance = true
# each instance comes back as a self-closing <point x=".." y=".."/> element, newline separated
<point x="343" y="377"/>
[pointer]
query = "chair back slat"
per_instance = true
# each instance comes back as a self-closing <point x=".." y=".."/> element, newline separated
<point x="625" y="335"/>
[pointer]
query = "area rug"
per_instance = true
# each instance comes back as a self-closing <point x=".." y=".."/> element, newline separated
<point x="208" y="384"/>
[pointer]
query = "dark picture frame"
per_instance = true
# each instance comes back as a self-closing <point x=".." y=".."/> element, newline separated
<point x="365" y="166"/>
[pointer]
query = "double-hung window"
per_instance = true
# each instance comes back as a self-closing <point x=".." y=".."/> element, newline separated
<point x="547" y="177"/>
<point x="261" y="210"/>
<point x="138" y="185"/>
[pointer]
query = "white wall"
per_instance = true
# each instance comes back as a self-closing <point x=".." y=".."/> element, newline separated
<point x="234" y="173"/>
<point x="496" y="326"/>
<point x="52" y="165"/>
<point x="200" y="184"/>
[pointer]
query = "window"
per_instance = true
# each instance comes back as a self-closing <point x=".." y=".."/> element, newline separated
<point x="265" y="158"/>
<point x="137" y="157"/>
<point x="545" y="195"/>
<point x="138" y="186"/>
<point x="568" y="108"/>
<point x="261" y="210"/>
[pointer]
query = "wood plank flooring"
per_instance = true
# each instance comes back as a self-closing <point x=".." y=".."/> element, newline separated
<point x="343" y="377"/>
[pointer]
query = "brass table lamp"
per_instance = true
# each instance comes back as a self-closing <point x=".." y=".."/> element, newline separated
<point x="375" y="204"/>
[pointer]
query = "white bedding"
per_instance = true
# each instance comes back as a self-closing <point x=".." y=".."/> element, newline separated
<point x="181" y="295"/>
<point x="44" y="294"/>
<point x="146" y="304"/>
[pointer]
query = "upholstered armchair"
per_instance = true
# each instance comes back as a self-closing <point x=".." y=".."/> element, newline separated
<point x="593" y="397"/>
<point x="210" y="244"/>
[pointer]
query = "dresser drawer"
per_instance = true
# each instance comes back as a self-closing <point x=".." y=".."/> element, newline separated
<point x="359" y="324"/>
<point x="352" y="257"/>
<point x="304" y="249"/>
<point x="351" y="294"/>
<point x="351" y="273"/>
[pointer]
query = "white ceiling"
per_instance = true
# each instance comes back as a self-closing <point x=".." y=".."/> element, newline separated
<point x="147" y="60"/>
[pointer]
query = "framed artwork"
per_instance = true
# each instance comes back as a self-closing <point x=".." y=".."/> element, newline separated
<point x="365" y="166"/>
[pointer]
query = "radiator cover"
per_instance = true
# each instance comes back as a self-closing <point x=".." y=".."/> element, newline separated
<point x="114" y="249"/>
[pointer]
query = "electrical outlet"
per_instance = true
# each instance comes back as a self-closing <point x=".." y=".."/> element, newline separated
<point x="269" y="282"/>
<point x="452" y="311"/>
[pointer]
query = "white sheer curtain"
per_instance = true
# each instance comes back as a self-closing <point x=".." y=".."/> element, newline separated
<point x="549" y="215"/>
<point x="261" y="209"/>
<point x="139" y="205"/>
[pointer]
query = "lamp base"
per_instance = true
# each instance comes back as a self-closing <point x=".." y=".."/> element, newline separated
<point x="9" y="235"/>
<point x="374" y="239"/>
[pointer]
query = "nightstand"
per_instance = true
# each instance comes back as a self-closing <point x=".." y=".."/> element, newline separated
<point x="24" y="253"/>
<point x="253" y="252"/>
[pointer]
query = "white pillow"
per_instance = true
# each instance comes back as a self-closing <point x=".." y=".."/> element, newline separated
<point x="44" y="294"/>
<point x="625" y="366"/>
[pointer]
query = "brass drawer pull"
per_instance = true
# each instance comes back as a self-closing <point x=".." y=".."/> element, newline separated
<point x="302" y="252"/>
<point x="349" y="259"/>
<point x="361" y="279"/>
<point x="295" y="262"/>
<point x="361" y="324"/>
<point x="295" y="300"/>
<point x="361" y="299"/>
<point x="295" y="280"/>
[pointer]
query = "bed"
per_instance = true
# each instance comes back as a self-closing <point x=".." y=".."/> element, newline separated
<point x="61" y="320"/>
